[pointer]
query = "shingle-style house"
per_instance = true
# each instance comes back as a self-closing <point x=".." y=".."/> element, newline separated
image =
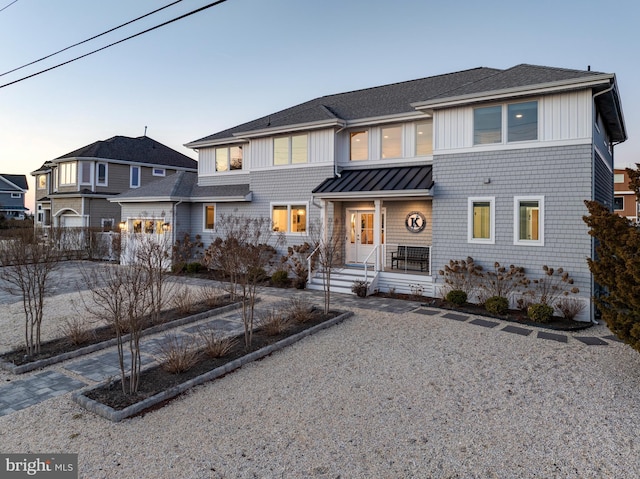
<point x="493" y="164"/>
<point x="625" y="202"/>
<point x="72" y="190"/>
<point x="12" y="191"/>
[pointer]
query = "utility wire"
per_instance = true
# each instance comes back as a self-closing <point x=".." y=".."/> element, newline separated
<point x="7" y="6"/>
<point x="193" y="12"/>
<point x="88" y="39"/>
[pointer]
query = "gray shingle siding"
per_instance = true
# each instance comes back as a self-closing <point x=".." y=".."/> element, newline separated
<point x="561" y="174"/>
<point x="603" y="182"/>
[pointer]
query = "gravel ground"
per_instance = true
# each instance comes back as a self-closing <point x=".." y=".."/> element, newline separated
<point x="378" y="396"/>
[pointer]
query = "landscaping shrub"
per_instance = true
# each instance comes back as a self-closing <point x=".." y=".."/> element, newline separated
<point x="570" y="307"/>
<point x="501" y="281"/>
<point x="178" y="355"/>
<point x="194" y="267"/>
<point x="216" y="345"/>
<point x="75" y="331"/>
<point x="299" y="310"/>
<point x="274" y="323"/>
<point x="540" y="312"/>
<point x="360" y="288"/>
<point x="497" y="305"/>
<point x="548" y="289"/>
<point x="183" y="301"/>
<point x="280" y="278"/>
<point x="456" y="296"/>
<point x="211" y="296"/>
<point x="464" y="275"/>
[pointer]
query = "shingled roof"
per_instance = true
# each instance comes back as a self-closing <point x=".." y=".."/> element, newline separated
<point x="136" y="150"/>
<point x="18" y="180"/>
<point x="399" y="98"/>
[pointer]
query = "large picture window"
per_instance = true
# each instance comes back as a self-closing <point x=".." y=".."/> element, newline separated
<point x="520" y="120"/>
<point x="528" y="220"/>
<point x="391" y="142"/>
<point x="481" y="220"/>
<point x="290" y="150"/>
<point x="289" y="218"/>
<point x="424" y="138"/>
<point x="67" y="173"/>
<point x="359" y="145"/>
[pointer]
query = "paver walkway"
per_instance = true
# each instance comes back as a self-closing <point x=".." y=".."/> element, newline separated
<point x="103" y="365"/>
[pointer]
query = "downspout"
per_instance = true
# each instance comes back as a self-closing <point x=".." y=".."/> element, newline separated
<point x="173" y="218"/>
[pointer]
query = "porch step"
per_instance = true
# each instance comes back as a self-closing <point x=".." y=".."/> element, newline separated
<point x="341" y="280"/>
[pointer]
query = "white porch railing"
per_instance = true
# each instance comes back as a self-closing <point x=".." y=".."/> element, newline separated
<point x="376" y="262"/>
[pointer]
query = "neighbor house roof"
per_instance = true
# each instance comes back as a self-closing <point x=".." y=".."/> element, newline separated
<point x="183" y="186"/>
<point x="14" y="182"/>
<point x="344" y="109"/>
<point x="135" y="150"/>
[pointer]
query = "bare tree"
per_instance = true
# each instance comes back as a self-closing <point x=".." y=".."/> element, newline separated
<point x="27" y="263"/>
<point x="120" y="296"/>
<point x="154" y="256"/>
<point x="329" y="246"/>
<point x="242" y="251"/>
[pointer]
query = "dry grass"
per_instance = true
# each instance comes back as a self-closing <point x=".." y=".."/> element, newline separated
<point x="216" y="345"/>
<point x="212" y="296"/>
<point x="178" y="355"/>
<point x="76" y="331"/>
<point x="299" y="310"/>
<point x="184" y="301"/>
<point x="274" y="322"/>
<point x="570" y="307"/>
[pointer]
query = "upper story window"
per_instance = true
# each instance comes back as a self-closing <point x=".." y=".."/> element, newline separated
<point x="67" y="173"/>
<point x="85" y="173"/>
<point x="159" y="172"/>
<point x="42" y="182"/>
<point x="424" y="138"/>
<point x="134" y="177"/>
<point x="618" y="203"/>
<point x="391" y="142"/>
<point x="290" y="150"/>
<point x="359" y="145"/>
<point x="520" y="120"/>
<point x="618" y="178"/>
<point x="228" y="158"/>
<point x="16" y="195"/>
<point x="101" y="174"/>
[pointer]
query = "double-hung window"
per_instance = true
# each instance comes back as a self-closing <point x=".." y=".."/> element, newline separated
<point x="289" y="218"/>
<point x="519" y="120"/>
<point x="528" y="228"/>
<point x="134" y="177"/>
<point x="229" y="158"/>
<point x="101" y="174"/>
<point x="85" y="172"/>
<point x="290" y="150"/>
<point x="481" y="221"/>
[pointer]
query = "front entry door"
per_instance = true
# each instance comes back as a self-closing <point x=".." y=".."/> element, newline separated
<point x="360" y="235"/>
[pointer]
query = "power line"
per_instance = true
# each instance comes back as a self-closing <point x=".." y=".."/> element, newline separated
<point x="88" y="39"/>
<point x="193" y="12"/>
<point x="7" y="6"/>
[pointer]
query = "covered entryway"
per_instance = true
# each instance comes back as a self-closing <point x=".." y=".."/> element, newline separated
<point x="360" y="239"/>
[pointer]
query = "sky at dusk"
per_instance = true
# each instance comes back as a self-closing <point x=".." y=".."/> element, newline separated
<point x="244" y="59"/>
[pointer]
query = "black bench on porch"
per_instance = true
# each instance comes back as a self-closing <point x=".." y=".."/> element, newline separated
<point x="411" y="254"/>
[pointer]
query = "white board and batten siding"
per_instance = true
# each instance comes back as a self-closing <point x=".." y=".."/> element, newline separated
<point x="561" y="117"/>
<point x="258" y="153"/>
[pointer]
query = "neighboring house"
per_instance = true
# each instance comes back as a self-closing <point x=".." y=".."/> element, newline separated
<point x="625" y="202"/>
<point x="492" y="164"/>
<point x="72" y="190"/>
<point x="12" y="191"/>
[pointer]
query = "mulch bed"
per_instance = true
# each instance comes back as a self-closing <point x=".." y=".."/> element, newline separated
<point x="557" y="323"/>
<point x="156" y="379"/>
<point x="59" y="346"/>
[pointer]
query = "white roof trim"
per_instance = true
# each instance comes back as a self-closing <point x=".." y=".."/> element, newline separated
<point x="539" y="89"/>
<point x="188" y="199"/>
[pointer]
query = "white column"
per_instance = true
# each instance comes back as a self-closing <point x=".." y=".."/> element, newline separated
<point x="324" y="218"/>
<point x="377" y="232"/>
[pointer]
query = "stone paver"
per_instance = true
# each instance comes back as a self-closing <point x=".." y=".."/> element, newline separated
<point x="561" y="338"/>
<point x="456" y="317"/>
<point x="23" y="393"/>
<point x="517" y="330"/>
<point x="484" y="323"/>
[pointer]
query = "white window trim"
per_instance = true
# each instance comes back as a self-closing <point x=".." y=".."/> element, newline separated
<point x="160" y="172"/>
<point x="289" y="204"/>
<point x="402" y="141"/>
<point x="106" y="174"/>
<point x="516" y="221"/>
<point x="289" y="151"/>
<point x="73" y="179"/>
<point x="369" y="145"/>
<point x="504" y="124"/>
<point x="16" y="195"/>
<point x="131" y="185"/>
<point x="492" y="211"/>
<point x="103" y="220"/>
<point x="46" y="182"/>
<point x="90" y="165"/>
<point x="204" y="216"/>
